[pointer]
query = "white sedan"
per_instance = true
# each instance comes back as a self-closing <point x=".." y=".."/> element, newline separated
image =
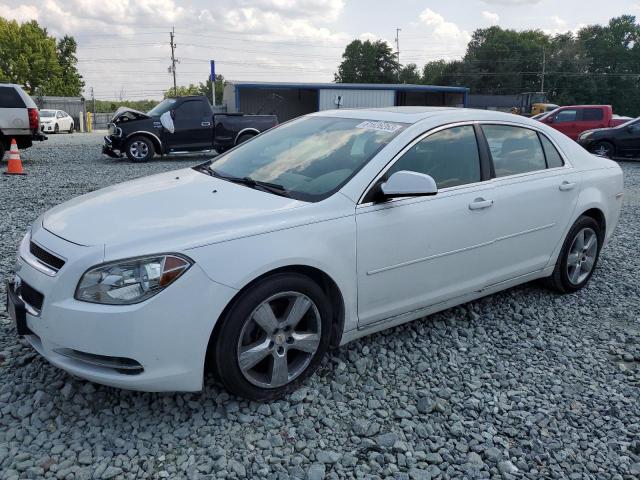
<point x="55" y="121"/>
<point x="322" y="230"/>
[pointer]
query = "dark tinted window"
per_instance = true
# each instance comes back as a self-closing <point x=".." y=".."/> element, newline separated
<point x="553" y="157"/>
<point x="190" y="109"/>
<point x="592" y="114"/>
<point x="450" y="157"/>
<point x="566" y="116"/>
<point x="514" y="150"/>
<point x="9" y="98"/>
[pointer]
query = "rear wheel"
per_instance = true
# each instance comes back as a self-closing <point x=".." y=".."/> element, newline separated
<point x="244" y="137"/>
<point x="273" y="337"/>
<point x="139" y="149"/>
<point x="578" y="257"/>
<point x="603" y="149"/>
<point x="1" y="149"/>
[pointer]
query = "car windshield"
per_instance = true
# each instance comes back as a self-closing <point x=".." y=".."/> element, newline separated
<point x="633" y="121"/>
<point x="162" y="107"/>
<point x="311" y="157"/>
<point x="47" y="113"/>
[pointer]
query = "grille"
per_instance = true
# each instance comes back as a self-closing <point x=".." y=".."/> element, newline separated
<point x="45" y="257"/>
<point x="31" y="296"/>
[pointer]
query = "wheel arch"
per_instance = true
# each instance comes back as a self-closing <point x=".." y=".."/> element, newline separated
<point x="157" y="144"/>
<point x="253" y="131"/>
<point x="598" y="215"/>
<point x="324" y="280"/>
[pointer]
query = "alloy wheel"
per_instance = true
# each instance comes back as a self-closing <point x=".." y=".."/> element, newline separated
<point x="603" y="151"/>
<point x="582" y="255"/>
<point x="279" y="339"/>
<point x="139" y="149"/>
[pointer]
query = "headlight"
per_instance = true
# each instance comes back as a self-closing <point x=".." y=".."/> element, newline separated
<point x="132" y="280"/>
<point x="585" y="135"/>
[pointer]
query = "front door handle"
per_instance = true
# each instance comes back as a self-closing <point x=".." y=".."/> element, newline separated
<point x="480" y="203"/>
<point x="206" y="124"/>
<point x="566" y="186"/>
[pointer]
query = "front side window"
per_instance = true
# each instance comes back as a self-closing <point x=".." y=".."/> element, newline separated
<point x="163" y="107"/>
<point x="450" y="157"/>
<point x="514" y="149"/>
<point x="311" y="157"/>
<point x="190" y="109"/>
<point x="566" y="116"/>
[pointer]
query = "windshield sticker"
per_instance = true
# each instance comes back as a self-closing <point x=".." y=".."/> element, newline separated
<point x="380" y="126"/>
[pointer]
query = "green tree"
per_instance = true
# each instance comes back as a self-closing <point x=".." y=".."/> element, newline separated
<point x="368" y="62"/>
<point x="200" y="89"/>
<point x="410" y="74"/>
<point x="32" y="58"/>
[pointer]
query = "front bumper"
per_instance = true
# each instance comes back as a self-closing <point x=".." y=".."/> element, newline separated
<point x="108" y="148"/>
<point x="48" y="127"/>
<point x="156" y="345"/>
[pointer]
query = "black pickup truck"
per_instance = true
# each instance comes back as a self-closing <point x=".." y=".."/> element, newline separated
<point x="196" y="128"/>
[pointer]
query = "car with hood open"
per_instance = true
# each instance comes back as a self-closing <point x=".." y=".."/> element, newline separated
<point x="327" y="228"/>
<point x="179" y="125"/>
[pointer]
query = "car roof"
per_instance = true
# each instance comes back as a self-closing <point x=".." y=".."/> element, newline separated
<point x="413" y="115"/>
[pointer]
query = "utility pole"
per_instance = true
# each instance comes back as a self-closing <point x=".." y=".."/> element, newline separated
<point x="544" y="68"/>
<point x="172" y="68"/>
<point x="93" y="99"/>
<point x="398" y="30"/>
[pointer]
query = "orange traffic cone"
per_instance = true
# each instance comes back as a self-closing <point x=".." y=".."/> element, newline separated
<point x="15" y="164"/>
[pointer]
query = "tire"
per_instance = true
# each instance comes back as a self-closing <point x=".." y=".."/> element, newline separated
<point x="604" y="149"/>
<point x="576" y="265"/>
<point x="2" y="149"/>
<point x="71" y="128"/>
<point x="274" y="344"/>
<point x="56" y="129"/>
<point x="139" y="149"/>
<point x="244" y="137"/>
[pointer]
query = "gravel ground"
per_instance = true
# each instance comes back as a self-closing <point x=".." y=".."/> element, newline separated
<point x="522" y="384"/>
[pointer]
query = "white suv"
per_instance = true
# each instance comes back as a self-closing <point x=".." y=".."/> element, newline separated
<point x="19" y="118"/>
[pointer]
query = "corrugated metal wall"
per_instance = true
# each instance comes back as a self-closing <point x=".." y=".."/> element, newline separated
<point x="356" y="98"/>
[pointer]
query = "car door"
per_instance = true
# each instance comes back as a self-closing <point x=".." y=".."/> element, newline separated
<point x="627" y="139"/>
<point x="193" y="127"/>
<point x="415" y="252"/>
<point x="566" y="121"/>
<point x="535" y="194"/>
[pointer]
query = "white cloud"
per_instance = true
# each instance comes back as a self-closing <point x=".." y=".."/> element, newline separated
<point x="492" y="18"/>
<point x="512" y="2"/>
<point x="441" y="28"/>
<point x="22" y="13"/>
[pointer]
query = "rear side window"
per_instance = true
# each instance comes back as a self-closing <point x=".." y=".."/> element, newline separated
<point x="566" y="116"/>
<point x="592" y="114"/>
<point x="554" y="159"/>
<point x="449" y="156"/>
<point x="9" y="98"/>
<point x="514" y="149"/>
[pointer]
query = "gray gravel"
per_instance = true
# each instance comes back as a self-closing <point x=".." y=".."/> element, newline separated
<point x="522" y="384"/>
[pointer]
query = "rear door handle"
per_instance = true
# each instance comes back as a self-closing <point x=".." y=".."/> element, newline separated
<point x="565" y="186"/>
<point x="206" y="124"/>
<point x="480" y="203"/>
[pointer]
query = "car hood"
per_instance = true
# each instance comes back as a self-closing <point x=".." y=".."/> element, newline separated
<point x="131" y="113"/>
<point x="184" y="208"/>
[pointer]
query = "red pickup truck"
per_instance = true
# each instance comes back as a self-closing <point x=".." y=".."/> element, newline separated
<point x="575" y="119"/>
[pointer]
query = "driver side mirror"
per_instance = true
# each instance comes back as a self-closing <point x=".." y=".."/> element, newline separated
<point x="173" y="114"/>
<point x="408" y="184"/>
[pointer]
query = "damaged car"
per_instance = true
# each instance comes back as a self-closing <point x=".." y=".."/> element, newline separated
<point x="179" y="125"/>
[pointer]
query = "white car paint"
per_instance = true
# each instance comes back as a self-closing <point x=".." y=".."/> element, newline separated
<point x="392" y="262"/>
<point x="60" y="118"/>
<point x="14" y="120"/>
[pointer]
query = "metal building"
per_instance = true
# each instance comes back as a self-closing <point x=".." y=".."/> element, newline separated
<point x="290" y="100"/>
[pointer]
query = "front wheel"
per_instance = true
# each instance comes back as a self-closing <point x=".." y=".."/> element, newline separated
<point x="1" y="149"/>
<point x="71" y="128"/>
<point x="139" y="149"/>
<point x="603" y="149"/>
<point x="56" y="129"/>
<point x="578" y="257"/>
<point x="273" y="337"/>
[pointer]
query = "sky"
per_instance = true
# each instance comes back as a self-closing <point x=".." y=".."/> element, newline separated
<point x="124" y="47"/>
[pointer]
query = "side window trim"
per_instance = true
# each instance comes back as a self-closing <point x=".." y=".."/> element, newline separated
<point x="544" y="151"/>
<point x="381" y="174"/>
<point x="487" y="170"/>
